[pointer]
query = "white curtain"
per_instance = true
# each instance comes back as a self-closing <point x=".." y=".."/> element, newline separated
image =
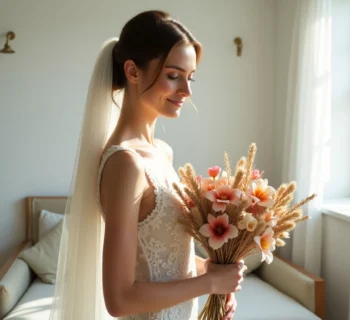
<point x="308" y="116"/>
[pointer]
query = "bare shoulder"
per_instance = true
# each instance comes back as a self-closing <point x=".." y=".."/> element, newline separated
<point x="122" y="172"/>
<point x="123" y="161"/>
<point x="167" y="149"/>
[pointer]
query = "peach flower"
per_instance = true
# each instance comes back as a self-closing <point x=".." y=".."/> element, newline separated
<point x="218" y="230"/>
<point x="270" y="219"/>
<point x="207" y="184"/>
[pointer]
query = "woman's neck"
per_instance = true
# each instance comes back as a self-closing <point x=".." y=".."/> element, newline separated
<point x="136" y="123"/>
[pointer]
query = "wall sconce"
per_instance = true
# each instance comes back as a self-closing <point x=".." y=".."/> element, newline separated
<point x="7" y="49"/>
<point x="239" y="43"/>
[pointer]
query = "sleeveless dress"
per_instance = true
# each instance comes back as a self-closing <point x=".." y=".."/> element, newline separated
<point x="164" y="251"/>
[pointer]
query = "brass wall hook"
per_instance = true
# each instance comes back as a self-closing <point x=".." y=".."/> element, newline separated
<point x="7" y="49"/>
<point x="239" y="43"/>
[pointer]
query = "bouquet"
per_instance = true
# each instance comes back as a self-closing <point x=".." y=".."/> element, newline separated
<point x="233" y="216"/>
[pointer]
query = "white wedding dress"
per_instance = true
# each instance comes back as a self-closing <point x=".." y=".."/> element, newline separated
<point x="164" y="251"/>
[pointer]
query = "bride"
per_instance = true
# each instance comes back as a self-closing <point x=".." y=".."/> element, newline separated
<point x="122" y="252"/>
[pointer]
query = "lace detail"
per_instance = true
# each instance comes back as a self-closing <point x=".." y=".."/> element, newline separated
<point x="165" y="252"/>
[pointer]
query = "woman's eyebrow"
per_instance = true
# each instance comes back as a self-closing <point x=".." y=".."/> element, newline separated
<point x="178" y="68"/>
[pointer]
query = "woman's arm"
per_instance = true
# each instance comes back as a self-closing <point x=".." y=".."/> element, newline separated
<point x="122" y="185"/>
<point x="154" y="296"/>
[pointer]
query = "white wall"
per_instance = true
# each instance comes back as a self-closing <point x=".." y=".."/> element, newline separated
<point x="43" y="88"/>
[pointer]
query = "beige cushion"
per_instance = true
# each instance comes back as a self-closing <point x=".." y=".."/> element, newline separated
<point x="290" y="281"/>
<point x="252" y="262"/>
<point x="12" y="286"/>
<point x="36" y="303"/>
<point x="47" y="221"/>
<point x="43" y="257"/>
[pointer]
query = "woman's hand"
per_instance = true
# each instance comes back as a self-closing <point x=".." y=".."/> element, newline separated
<point x="225" y="278"/>
<point x="230" y="307"/>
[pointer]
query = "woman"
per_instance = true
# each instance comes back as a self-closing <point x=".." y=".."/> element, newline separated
<point x="149" y="269"/>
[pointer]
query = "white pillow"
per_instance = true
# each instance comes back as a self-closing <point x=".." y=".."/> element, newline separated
<point x="47" y="220"/>
<point x="43" y="256"/>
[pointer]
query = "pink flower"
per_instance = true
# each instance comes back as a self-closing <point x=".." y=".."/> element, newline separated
<point x="262" y="194"/>
<point x="214" y="171"/>
<point x="222" y="196"/>
<point x="218" y="230"/>
<point x="255" y="174"/>
<point x="266" y="243"/>
<point x="199" y="178"/>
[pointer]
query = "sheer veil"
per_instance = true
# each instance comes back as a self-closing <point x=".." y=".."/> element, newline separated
<point x="78" y="290"/>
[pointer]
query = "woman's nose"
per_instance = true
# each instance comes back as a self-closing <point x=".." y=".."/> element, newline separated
<point x="185" y="89"/>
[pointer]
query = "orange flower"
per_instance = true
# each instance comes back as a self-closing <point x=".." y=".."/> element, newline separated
<point x="262" y="194"/>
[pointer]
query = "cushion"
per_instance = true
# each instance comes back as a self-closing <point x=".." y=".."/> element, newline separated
<point x="36" y="303"/>
<point x="12" y="286"/>
<point x="252" y="262"/>
<point x="287" y="279"/>
<point x="47" y="220"/>
<point x="259" y="300"/>
<point x="43" y="257"/>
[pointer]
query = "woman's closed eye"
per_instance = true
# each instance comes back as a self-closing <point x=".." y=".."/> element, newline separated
<point x="173" y="77"/>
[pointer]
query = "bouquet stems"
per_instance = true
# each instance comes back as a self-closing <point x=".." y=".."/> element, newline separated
<point x="214" y="308"/>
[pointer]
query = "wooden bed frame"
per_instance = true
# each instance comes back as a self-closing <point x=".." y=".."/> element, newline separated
<point x="29" y="238"/>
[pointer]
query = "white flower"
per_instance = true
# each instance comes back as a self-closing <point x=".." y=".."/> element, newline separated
<point x="247" y="222"/>
<point x="266" y="243"/>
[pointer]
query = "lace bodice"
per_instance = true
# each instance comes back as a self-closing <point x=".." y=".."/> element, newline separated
<point x="164" y="252"/>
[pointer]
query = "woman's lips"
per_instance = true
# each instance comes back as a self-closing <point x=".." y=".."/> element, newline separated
<point x="177" y="103"/>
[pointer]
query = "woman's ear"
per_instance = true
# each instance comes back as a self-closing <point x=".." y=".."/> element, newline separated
<point x="131" y="71"/>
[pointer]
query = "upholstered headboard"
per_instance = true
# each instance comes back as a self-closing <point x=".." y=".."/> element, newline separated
<point x="33" y="207"/>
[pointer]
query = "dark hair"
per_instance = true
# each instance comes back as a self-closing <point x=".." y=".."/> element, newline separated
<point x="147" y="36"/>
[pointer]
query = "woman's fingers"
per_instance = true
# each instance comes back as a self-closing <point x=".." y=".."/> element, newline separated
<point x="230" y="306"/>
